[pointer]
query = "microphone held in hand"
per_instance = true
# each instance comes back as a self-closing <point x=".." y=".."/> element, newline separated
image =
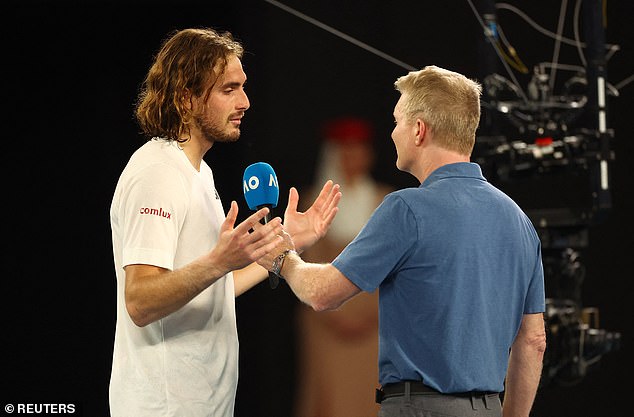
<point x="260" y="186"/>
<point x="261" y="189"/>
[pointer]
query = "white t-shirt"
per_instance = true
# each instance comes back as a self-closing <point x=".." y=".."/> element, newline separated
<point x="165" y="213"/>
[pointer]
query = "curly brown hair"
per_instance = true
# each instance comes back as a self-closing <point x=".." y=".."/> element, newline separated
<point x="187" y="65"/>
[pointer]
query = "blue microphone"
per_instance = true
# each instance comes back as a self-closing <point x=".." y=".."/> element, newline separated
<point x="261" y="189"/>
<point x="260" y="186"/>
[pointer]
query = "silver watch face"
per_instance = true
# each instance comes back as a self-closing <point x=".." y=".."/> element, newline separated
<point x="278" y="262"/>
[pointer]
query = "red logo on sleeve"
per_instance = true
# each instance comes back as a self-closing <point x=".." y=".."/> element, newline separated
<point x="155" y="212"/>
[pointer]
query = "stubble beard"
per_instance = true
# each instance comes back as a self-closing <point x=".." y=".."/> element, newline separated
<point x="213" y="133"/>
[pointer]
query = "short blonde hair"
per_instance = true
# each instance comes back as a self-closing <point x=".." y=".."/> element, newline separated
<point x="448" y="103"/>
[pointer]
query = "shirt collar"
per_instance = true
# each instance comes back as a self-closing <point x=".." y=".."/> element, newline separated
<point x="455" y="170"/>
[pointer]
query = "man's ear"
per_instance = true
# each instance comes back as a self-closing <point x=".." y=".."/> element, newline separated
<point x="420" y="130"/>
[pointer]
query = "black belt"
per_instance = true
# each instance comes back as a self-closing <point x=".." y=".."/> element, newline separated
<point x="418" y="388"/>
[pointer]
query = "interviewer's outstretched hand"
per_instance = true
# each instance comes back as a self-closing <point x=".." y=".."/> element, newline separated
<point x="308" y="227"/>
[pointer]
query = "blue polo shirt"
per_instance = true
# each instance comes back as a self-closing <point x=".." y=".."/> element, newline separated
<point x="457" y="264"/>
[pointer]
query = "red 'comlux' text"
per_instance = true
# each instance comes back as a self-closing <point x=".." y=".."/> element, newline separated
<point x="155" y="212"/>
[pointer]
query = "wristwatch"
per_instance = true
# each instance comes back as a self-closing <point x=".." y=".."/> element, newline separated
<point x="278" y="262"/>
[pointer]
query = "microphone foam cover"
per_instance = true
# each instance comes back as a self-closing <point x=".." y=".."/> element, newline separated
<point x="260" y="186"/>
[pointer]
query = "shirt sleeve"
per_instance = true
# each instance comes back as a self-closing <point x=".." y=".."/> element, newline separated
<point x="536" y="295"/>
<point x="382" y="245"/>
<point x="154" y="207"/>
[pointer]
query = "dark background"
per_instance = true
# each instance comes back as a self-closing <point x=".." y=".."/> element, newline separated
<point x="71" y="74"/>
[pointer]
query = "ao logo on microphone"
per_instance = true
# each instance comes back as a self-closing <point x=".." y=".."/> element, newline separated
<point x="254" y="182"/>
<point x="260" y="186"/>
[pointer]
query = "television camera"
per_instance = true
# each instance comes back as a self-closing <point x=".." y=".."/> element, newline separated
<point x="548" y="146"/>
